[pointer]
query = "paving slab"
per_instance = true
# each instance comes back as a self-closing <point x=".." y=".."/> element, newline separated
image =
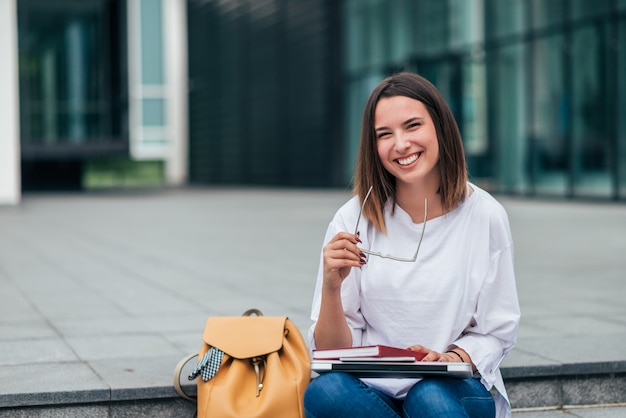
<point x="50" y="384"/>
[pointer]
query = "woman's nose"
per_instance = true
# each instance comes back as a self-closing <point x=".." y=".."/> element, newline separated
<point x="402" y="142"/>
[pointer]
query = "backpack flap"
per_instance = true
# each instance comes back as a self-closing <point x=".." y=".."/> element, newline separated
<point x="244" y="337"/>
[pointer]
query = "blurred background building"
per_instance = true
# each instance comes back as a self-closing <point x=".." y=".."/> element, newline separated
<point x="120" y="93"/>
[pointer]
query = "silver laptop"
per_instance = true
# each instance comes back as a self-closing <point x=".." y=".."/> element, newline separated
<point x="392" y="369"/>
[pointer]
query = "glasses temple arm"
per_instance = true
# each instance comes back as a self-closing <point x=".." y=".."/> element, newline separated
<point x="356" y="229"/>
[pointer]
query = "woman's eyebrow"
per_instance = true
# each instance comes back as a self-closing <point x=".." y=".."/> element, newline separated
<point x="414" y="119"/>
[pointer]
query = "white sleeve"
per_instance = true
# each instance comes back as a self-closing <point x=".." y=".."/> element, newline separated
<point x="350" y="294"/>
<point x="493" y="330"/>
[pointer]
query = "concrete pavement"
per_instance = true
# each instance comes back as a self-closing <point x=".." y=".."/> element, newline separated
<point x="102" y="293"/>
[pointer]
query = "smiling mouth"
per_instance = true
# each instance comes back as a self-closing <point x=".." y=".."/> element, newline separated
<point x="408" y="160"/>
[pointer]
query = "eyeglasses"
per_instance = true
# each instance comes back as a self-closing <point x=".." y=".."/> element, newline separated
<point x="391" y="257"/>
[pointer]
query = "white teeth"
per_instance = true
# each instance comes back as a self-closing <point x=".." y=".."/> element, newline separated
<point x="408" y="160"/>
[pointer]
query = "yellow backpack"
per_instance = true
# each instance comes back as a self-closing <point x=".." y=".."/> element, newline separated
<point x="250" y="366"/>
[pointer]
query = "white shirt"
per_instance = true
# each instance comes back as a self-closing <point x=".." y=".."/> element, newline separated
<point x="459" y="292"/>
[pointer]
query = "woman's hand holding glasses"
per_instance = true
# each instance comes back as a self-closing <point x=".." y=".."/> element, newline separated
<point x="340" y="255"/>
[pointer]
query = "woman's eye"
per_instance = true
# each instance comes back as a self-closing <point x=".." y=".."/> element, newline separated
<point x="414" y="125"/>
<point x="382" y="135"/>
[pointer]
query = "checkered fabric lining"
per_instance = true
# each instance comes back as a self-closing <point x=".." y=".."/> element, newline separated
<point x="209" y="365"/>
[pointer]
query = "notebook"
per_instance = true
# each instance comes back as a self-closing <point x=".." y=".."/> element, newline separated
<point x="365" y="351"/>
<point x="392" y="369"/>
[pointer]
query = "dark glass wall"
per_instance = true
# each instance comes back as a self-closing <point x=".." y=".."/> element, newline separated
<point x="73" y="89"/>
<point x="264" y="92"/>
<point x="72" y="76"/>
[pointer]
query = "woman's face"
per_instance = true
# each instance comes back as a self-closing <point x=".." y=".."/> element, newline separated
<point x="406" y="140"/>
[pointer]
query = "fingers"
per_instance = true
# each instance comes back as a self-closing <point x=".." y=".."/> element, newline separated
<point x="448" y="358"/>
<point x="340" y="255"/>
<point x="429" y="355"/>
<point x="342" y="251"/>
<point x="432" y="356"/>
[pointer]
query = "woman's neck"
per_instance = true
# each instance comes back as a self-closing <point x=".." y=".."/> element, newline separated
<point x="411" y="199"/>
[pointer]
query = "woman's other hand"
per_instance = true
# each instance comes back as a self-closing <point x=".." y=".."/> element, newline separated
<point x="456" y="355"/>
<point x="429" y="355"/>
<point x="432" y="355"/>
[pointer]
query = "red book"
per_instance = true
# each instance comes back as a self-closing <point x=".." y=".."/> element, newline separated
<point x="364" y="351"/>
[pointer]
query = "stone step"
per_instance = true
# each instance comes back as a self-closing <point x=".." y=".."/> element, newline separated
<point x="141" y="408"/>
<point x="566" y="385"/>
<point x="548" y="387"/>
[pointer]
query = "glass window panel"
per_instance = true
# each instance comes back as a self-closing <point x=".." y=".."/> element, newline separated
<point x="69" y="67"/>
<point x="547" y="13"/>
<point x="466" y="22"/>
<point x="377" y="33"/>
<point x="505" y="17"/>
<point x="508" y="118"/>
<point x="445" y="75"/>
<point x="153" y="112"/>
<point x="353" y="113"/>
<point x="431" y="27"/>
<point x="357" y="93"/>
<point x="474" y="121"/>
<point x="76" y="57"/>
<point x="550" y="117"/>
<point x="590" y="130"/>
<point x="588" y="8"/>
<point x="401" y="26"/>
<point x="354" y="18"/>
<point x="474" y="108"/>
<point x="151" y="42"/>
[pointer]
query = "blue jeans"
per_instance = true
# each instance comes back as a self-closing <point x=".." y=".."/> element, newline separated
<point x="340" y="395"/>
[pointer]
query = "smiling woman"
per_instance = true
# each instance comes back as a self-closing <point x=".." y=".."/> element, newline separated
<point x="455" y="300"/>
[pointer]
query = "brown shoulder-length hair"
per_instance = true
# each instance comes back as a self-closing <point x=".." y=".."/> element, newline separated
<point x="369" y="169"/>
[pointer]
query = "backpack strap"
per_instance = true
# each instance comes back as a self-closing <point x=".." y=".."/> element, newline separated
<point x="177" y="372"/>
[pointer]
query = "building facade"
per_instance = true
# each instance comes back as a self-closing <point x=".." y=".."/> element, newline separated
<point x="537" y="86"/>
<point x="270" y="92"/>
<point x="91" y="81"/>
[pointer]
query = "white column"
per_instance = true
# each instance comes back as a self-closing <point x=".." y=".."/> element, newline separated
<point x="9" y="106"/>
<point x="168" y="140"/>
<point x="175" y="54"/>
